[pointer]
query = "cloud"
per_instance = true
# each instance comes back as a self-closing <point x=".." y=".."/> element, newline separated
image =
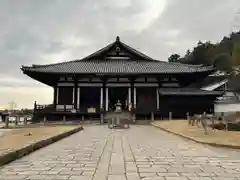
<point x="40" y="32"/>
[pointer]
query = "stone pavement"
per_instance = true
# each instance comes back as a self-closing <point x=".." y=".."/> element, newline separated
<point x="141" y="152"/>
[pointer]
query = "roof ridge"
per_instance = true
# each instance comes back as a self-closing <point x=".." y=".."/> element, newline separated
<point x="76" y="60"/>
<point x="146" y="58"/>
<point x="136" y="51"/>
<point x="98" y="52"/>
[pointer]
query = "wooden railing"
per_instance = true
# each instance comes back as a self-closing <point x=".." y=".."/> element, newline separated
<point x="43" y="107"/>
<point x="40" y="107"/>
<point x="65" y="107"/>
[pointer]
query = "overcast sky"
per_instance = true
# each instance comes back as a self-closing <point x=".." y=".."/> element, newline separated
<point x="46" y="31"/>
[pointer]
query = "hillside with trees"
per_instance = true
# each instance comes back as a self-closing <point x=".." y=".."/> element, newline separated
<point x="225" y="56"/>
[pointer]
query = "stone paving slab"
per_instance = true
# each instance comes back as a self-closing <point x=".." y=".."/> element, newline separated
<point x="138" y="153"/>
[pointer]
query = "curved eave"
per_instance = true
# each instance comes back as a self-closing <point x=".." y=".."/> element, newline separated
<point x="46" y="78"/>
<point x="33" y="69"/>
<point x="188" y="92"/>
<point x="193" y="95"/>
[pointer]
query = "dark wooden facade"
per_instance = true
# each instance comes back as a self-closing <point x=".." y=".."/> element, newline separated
<point x="91" y="86"/>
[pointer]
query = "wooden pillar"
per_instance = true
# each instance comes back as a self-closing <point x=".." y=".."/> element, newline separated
<point x="129" y="99"/>
<point x="134" y="98"/>
<point x="78" y="98"/>
<point x="106" y="99"/>
<point x="75" y="96"/>
<point x="104" y="96"/>
<point x="101" y="98"/>
<point x="132" y="86"/>
<point x="57" y="95"/>
<point x="101" y="105"/>
<point x="134" y="104"/>
<point x="35" y="105"/>
<point x="157" y="93"/>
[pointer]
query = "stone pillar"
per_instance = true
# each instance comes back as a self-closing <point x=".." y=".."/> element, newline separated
<point x="188" y="118"/>
<point x="170" y="115"/>
<point x="106" y="99"/>
<point x="25" y="120"/>
<point x="101" y="117"/>
<point x="152" y="116"/>
<point x="44" y="119"/>
<point x="129" y="99"/>
<point x="157" y="91"/>
<point x="7" y="121"/>
<point x="134" y="118"/>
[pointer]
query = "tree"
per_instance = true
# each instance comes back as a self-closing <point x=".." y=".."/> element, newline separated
<point x="223" y="62"/>
<point x="174" y="58"/>
<point x="203" y="53"/>
<point x="188" y="53"/>
<point x="233" y="81"/>
<point x="235" y="53"/>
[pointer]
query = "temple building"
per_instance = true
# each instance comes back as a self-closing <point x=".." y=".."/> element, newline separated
<point x="90" y="87"/>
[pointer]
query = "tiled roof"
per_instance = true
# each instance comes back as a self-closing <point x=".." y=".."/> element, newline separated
<point x="187" y="92"/>
<point x="209" y="80"/>
<point x="97" y="64"/>
<point x="215" y="86"/>
<point x="117" y="66"/>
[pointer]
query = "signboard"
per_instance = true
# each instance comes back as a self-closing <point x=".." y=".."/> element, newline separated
<point x="73" y="111"/>
<point x="91" y="110"/>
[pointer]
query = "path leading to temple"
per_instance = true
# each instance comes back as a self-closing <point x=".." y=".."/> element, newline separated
<point x="141" y="152"/>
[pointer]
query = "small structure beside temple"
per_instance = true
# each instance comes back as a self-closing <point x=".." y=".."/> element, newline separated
<point x="90" y="87"/>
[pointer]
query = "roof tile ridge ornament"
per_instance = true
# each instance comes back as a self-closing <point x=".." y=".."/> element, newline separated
<point x="117" y="39"/>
